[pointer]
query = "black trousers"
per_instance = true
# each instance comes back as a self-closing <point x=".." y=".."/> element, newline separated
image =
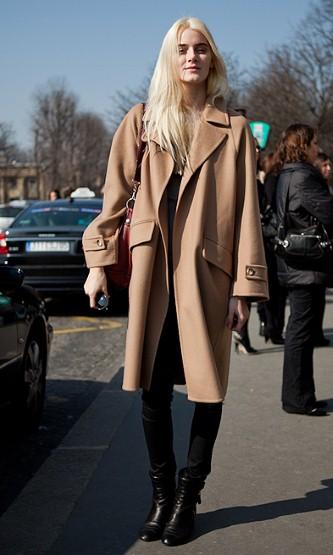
<point x="298" y="389"/>
<point x="320" y="311"/>
<point x="271" y="312"/>
<point x="157" y="417"/>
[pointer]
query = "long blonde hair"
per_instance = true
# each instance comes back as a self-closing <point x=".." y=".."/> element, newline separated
<point x="166" y="115"/>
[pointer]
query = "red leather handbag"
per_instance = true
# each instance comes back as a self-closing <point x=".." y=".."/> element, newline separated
<point x="119" y="274"/>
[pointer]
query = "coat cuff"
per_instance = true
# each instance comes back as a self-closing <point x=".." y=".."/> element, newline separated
<point x="252" y="283"/>
<point x="99" y="251"/>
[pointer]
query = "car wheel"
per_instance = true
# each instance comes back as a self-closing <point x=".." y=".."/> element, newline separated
<point x="31" y="394"/>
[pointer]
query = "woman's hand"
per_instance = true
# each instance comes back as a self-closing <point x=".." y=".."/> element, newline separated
<point x="95" y="283"/>
<point x="238" y="313"/>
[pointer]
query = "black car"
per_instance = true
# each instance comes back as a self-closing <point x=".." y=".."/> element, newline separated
<point x="8" y="212"/>
<point x="25" y="339"/>
<point x="45" y="240"/>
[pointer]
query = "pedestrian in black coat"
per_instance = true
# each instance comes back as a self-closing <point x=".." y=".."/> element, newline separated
<point x="308" y="198"/>
<point x="324" y="165"/>
<point x="271" y="312"/>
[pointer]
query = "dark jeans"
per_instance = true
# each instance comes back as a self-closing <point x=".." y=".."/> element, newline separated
<point x="298" y="390"/>
<point x="157" y="417"/>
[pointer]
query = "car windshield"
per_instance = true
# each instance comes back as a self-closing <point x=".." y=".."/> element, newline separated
<point x="58" y="216"/>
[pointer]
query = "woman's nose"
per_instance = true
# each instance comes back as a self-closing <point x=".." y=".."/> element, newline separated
<point x="190" y="54"/>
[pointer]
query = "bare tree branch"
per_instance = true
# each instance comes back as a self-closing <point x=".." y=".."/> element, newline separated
<point x="295" y="81"/>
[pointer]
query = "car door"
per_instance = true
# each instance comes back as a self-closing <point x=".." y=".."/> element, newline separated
<point x="9" y="346"/>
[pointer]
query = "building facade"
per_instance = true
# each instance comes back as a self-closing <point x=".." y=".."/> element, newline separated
<point x="20" y="181"/>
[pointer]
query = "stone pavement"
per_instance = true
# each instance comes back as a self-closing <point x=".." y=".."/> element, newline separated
<point x="270" y="491"/>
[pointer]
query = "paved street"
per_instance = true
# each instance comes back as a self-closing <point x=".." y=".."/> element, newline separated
<point x="270" y="491"/>
<point x="77" y="373"/>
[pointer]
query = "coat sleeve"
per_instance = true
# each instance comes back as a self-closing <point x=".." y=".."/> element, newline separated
<point x="250" y="272"/>
<point x="100" y="239"/>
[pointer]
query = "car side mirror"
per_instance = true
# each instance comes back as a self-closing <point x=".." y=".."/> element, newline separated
<point x="11" y="278"/>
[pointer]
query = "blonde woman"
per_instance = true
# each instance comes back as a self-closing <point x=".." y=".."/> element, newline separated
<point x="197" y="259"/>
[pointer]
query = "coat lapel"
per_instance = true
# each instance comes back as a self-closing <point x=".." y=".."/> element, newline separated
<point x="207" y="137"/>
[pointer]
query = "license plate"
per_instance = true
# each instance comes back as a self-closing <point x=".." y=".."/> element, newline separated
<point x="47" y="246"/>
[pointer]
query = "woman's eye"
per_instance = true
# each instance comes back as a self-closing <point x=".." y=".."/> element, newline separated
<point x="181" y="50"/>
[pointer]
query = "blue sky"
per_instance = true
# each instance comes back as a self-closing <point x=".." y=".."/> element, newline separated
<point x="101" y="46"/>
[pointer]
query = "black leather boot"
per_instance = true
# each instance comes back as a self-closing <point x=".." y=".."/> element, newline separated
<point x="163" y="497"/>
<point x="181" y="521"/>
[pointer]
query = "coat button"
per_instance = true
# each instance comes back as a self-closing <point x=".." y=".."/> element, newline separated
<point x="250" y="272"/>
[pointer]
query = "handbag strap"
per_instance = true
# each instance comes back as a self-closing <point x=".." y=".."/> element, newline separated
<point x="136" y="179"/>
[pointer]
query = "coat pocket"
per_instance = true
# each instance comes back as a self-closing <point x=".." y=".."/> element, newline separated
<point x="141" y="232"/>
<point x="218" y="255"/>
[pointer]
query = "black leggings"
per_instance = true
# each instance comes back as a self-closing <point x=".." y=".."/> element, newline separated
<point x="157" y="417"/>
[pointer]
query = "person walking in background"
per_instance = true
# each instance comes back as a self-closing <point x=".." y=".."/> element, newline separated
<point x="197" y="257"/>
<point x="242" y="338"/>
<point x="54" y="194"/>
<point x="272" y="312"/>
<point x="301" y="194"/>
<point x="324" y="165"/>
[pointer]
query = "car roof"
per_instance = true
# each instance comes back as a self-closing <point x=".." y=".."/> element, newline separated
<point x="20" y="203"/>
<point x="67" y="201"/>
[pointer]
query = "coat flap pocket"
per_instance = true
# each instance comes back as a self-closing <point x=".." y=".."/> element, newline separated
<point x="218" y="255"/>
<point x="141" y="232"/>
<point x="255" y="271"/>
<point x="94" y="243"/>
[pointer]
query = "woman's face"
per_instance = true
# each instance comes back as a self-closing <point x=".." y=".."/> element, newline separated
<point x="312" y="150"/>
<point x="326" y="168"/>
<point x="194" y="58"/>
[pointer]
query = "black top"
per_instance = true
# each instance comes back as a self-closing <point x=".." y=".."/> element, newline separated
<point x="172" y="195"/>
<point x="270" y="189"/>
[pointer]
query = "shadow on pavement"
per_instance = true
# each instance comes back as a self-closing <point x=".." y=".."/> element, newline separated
<point x="318" y="500"/>
<point x="22" y="454"/>
<point x="114" y="501"/>
<point x="118" y="497"/>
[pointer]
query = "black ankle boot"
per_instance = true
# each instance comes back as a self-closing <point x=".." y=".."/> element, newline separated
<point x="163" y="497"/>
<point x="180" y="524"/>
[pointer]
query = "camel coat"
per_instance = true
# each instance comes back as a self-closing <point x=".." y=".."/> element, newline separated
<point x="217" y="245"/>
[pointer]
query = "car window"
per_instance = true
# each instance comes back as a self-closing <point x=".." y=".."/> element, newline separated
<point x="60" y="216"/>
<point x="9" y="211"/>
